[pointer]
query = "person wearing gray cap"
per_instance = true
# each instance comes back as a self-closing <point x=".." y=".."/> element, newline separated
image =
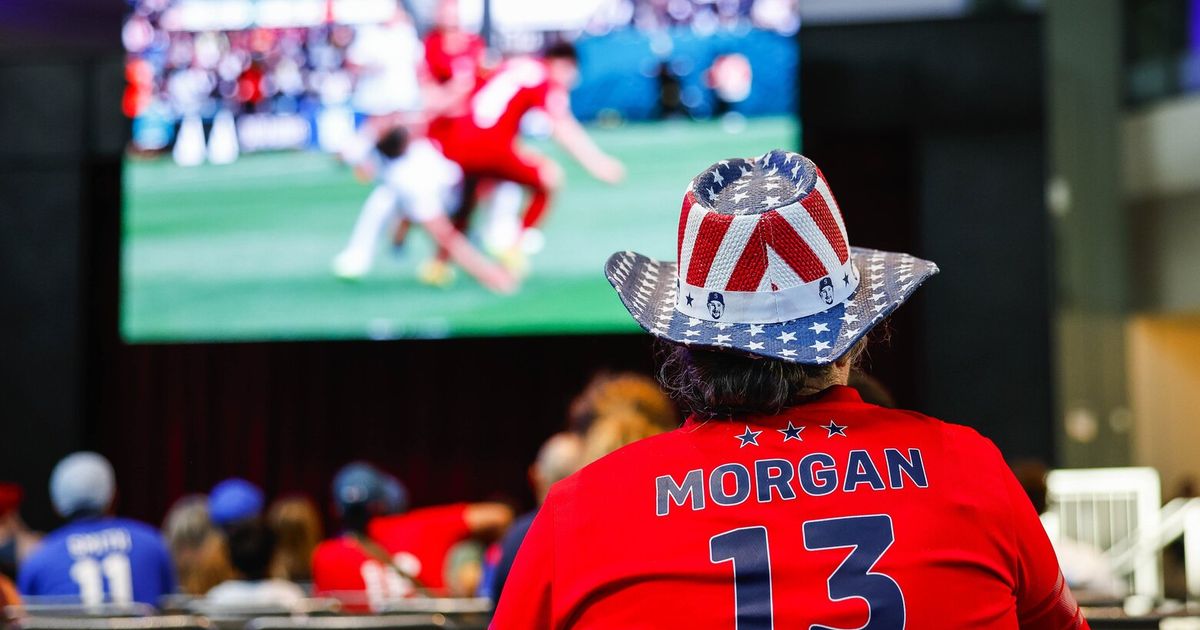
<point x="96" y="557"/>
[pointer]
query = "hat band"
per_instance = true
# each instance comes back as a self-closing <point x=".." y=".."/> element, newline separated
<point x="768" y="307"/>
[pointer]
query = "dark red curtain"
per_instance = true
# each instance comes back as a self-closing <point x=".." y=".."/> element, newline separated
<point x="456" y="420"/>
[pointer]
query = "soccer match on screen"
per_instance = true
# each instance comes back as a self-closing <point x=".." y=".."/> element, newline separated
<point x="377" y="169"/>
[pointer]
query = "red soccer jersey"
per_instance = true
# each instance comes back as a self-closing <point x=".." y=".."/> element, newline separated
<point x="342" y="568"/>
<point x="496" y="106"/>
<point x="421" y="539"/>
<point x="447" y="54"/>
<point x="834" y="514"/>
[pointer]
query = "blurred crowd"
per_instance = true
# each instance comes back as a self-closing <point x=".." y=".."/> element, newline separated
<point x="702" y="16"/>
<point x="175" y="70"/>
<point x="232" y="548"/>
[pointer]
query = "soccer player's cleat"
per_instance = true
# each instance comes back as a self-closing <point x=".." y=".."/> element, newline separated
<point x="436" y="273"/>
<point x="515" y="260"/>
<point x="349" y="266"/>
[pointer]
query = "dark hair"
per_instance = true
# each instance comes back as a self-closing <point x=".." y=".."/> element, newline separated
<point x="355" y="517"/>
<point x="713" y="384"/>
<point x="562" y="50"/>
<point x="394" y="143"/>
<point x="1031" y="474"/>
<point x="251" y="546"/>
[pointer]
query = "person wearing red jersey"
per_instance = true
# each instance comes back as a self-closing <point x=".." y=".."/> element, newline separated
<point x="352" y="567"/>
<point x="784" y="501"/>
<point x="482" y="137"/>
<point x="421" y="539"/>
<point x="385" y="553"/>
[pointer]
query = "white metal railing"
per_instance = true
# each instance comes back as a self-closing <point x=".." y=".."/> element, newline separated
<point x="1116" y="510"/>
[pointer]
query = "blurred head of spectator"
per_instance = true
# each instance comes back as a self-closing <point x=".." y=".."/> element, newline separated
<point x="361" y="492"/>
<point x="234" y="500"/>
<point x="297" y="526"/>
<point x="609" y="415"/>
<point x="558" y="459"/>
<point x="1031" y="473"/>
<point x="464" y="569"/>
<point x="198" y="549"/>
<point x="82" y="485"/>
<point x="251" y="547"/>
<point x="614" y="430"/>
<point x="17" y="541"/>
<point x="395" y="495"/>
<point x="608" y="392"/>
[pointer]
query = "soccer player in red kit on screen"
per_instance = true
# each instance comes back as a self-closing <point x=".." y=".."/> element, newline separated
<point x="784" y="501"/>
<point x="482" y="137"/>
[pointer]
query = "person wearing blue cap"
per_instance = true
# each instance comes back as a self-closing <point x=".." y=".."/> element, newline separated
<point x="236" y="507"/>
<point x="351" y="566"/>
<point x="234" y="500"/>
<point x="96" y="557"/>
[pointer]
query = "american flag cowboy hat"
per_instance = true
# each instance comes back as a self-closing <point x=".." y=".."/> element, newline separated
<point x="765" y="267"/>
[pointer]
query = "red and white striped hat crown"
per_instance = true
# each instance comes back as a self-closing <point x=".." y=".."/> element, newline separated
<point x="761" y="241"/>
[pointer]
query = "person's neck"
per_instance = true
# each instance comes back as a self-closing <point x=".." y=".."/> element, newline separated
<point x="87" y="514"/>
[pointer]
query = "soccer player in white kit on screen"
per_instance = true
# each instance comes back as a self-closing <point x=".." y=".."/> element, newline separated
<point x="416" y="183"/>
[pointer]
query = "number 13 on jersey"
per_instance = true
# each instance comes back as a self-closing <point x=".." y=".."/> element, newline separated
<point x="868" y="538"/>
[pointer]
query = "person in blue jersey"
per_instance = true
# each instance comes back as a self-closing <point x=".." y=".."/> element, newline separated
<point x="96" y="557"/>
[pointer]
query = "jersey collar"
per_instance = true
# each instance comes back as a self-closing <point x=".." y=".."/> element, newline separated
<point x="831" y="396"/>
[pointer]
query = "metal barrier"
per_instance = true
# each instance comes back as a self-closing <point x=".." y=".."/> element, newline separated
<point x="366" y="622"/>
<point x="1115" y="510"/>
<point x="168" y="622"/>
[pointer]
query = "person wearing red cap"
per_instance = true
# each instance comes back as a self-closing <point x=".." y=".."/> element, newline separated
<point x="17" y="541"/>
<point x="784" y="501"/>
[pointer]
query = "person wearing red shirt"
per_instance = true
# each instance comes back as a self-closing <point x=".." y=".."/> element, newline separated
<point x="784" y="501"/>
<point x="421" y="539"/>
<point x="352" y="567"/>
<point x="482" y="136"/>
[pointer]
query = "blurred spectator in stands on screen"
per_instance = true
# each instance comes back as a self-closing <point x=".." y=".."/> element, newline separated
<point x="454" y="59"/>
<point x="871" y="389"/>
<point x="1085" y="567"/>
<point x="297" y="525"/>
<point x="558" y="458"/>
<point x="385" y="59"/>
<point x="251" y="546"/>
<point x="352" y="567"/>
<point x="608" y="392"/>
<point x="198" y="548"/>
<point x="95" y="556"/>
<point x="234" y="500"/>
<point x="17" y="541"/>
